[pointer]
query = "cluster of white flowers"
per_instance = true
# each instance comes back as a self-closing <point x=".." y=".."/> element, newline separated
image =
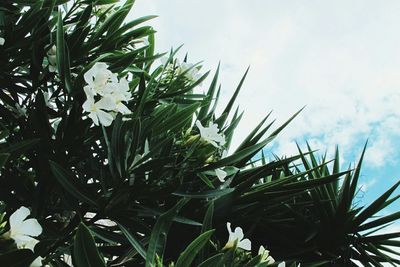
<point x="237" y="236"/>
<point x="211" y="134"/>
<point x="23" y="230"/>
<point x="105" y="94"/>
<point x="189" y="71"/>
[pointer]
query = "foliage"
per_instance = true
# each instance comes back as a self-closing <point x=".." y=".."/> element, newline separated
<point x="147" y="190"/>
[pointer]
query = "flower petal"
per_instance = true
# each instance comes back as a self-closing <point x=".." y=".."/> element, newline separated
<point x="37" y="262"/>
<point x="238" y="234"/>
<point x="123" y="109"/>
<point x="30" y="227"/>
<point x="221" y="174"/>
<point x="89" y="92"/>
<point x="106" y="103"/>
<point x="18" y="217"/>
<point x="94" y="118"/>
<point x="228" y="226"/>
<point x="88" y="76"/>
<point x="271" y="260"/>
<point x="104" y="118"/>
<point x="261" y="250"/>
<point x="24" y="241"/>
<point x="199" y="125"/>
<point x="245" y="244"/>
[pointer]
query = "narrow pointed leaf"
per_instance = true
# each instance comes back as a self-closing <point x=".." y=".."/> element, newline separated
<point x="188" y="255"/>
<point x="70" y="184"/>
<point x="85" y="253"/>
<point x="158" y="236"/>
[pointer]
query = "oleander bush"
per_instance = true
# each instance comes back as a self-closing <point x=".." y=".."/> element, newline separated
<point x="110" y="158"/>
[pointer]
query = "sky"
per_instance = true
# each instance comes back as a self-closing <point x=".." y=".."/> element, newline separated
<point x="340" y="59"/>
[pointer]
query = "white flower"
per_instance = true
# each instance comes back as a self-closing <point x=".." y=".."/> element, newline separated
<point x="117" y="102"/>
<point x="192" y="73"/>
<point x="237" y="235"/>
<point x="37" y="262"/>
<point x="23" y="230"/>
<point x="52" y="68"/>
<point x="187" y="69"/>
<point x="98" y="78"/>
<point x="210" y="134"/>
<point x="221" y="174"/>
<point x="104" y="86"/>
<point x="2" y="41"/>
<point x="97" y="110"/>
<point x="118" y="93"/>
<point x="51" y="54"/>
<point x="265" y="257"/>
<point x="52" y="58"/>
<point x="283" y="264"/>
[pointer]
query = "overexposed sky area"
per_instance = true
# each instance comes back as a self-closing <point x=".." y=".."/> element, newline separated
<point x="339" y="58"/>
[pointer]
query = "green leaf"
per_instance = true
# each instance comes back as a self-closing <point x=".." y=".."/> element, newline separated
<point x="221" y="120"/>
<point x="85" y="253"/>
<point x="149" y="212"/>
<point x="17" y="258"/>
<point x="207" y="225"/>
<point x="105" y="2"/>
<point x="233" y="159"/>
<point x="136" y="244"/>
<point x="210" y="94"/>
<point x="3" y="159"/>
<point x="187" y="256"/>
<point x="149" y="52"/>
<point x="125" y="28"/>
<point x="177" y="120"/>
<point x="246" y="142"/>
<point x="18" y="148"/>
<point x="70" y="183"/>
<point x="205" y="194"/>
<point x="381" y="221"/>
<point x="375" y="207"/>
<point x="212" y="261"/>
<point x="255" y="262"/>
<point x="117" y="146"/>
<point x="62" y="56"/>
<point x="120" y="16"/>
<point x="158" y="236"/>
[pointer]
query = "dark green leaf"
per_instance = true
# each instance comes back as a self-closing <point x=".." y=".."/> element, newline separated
<point x="85" y="253"/>
<point x="187" y="256"/>
<point x="69" y="183"/>
<point x="136" y="244"/>
<point x="159" y="234"/>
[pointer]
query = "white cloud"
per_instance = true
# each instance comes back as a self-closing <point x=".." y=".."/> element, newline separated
<point x="340" y="58"/>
